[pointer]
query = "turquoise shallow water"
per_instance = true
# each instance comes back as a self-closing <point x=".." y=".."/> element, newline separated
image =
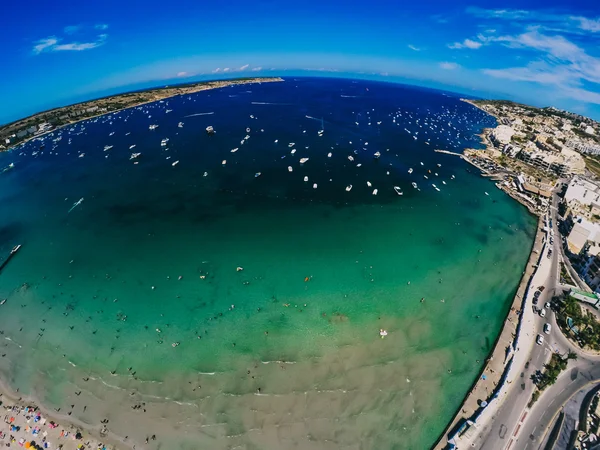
<point x="134" y="297"/>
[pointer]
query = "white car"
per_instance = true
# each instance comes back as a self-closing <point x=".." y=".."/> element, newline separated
<point x="542" y="312"/>
<point x="540" y="339"/>
<point x="547" y="328"/>
<point x="547" y="305"/>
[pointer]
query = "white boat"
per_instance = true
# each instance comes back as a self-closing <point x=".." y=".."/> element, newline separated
<point x="134" y="156"/>
<point x="3" y="301"/>
<point x="175" y="163"/>
<point x="210" y="130"/>
<point x="426" y="177"/>
<point x="414" y="185"/>
<point x="435" y="187"/>
<point x="398" y="190"/>
<point x="290" y="169"/>
<point x="235" y="150"/>
<point x="168" y="111"/>
<point x="348" y="188"/>
<point x="180" y="124"/>
<point x="377" y="155"/>
<point x="291" y="144"/>
<point x="303" y="160"/>
<point x="452" y="177"/>
<point x="422" y="164"/>
<point x="257" y="174"/>
<point x="375" y="192"/>
<point x="163" y="143"/>
<point x="329" y="155"/>
<point x="305" y="178"/>
<point x="439" y="165"/>
<point x="486" y="193"/>
<point x="293" y="151"/>
<point x="443" y="182"/>
<point x="224" y="162"/>
<point x="153" y="127"/>
<point x="81" y="155"/>
<point x="131" y="146"/>
<point x="248" y="130"/>
<point x="107" y="147"/>
<point x="314" y="185"/>
<point x="320" y="132"/>
<point x="350" y="158"/>
<point x="369" y="183"/>
<point x="410" y="170"/>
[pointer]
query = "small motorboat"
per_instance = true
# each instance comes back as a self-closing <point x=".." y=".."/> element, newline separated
<point x="377" y="155"/>
<point x="414" y="185"/>
<point x="175" y="163"/>
<point x="435" y="187"/>
<point x="398" y="190"/>
<point x="348" y="188"/>
<point x="303" y="160"/>
<point x="210" y="130"/>
<point x="410" y="170"/>
<point x="375" y="192"/>
<point x="134" y="156"/>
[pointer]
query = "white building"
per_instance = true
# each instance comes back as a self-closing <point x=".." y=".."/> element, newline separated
<point x="502" y="134"/>
<point x="583" y="191"/>
<point x="583" y="233"/>
<point x="590" y="130"/>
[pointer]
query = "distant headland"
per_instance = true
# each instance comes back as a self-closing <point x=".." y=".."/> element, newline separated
<point x="22" y="130"/>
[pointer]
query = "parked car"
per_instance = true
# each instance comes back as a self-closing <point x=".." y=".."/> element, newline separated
<point x="547" y="328"/>
<point x="539" y="339"/>
<point x="547" y="305"/>
<point x="542" y="312"/>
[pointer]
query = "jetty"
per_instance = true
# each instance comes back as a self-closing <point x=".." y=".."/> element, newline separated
<point x="12" y="253"/>
<point x="447" y="152"/>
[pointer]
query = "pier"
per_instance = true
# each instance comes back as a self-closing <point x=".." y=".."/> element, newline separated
<point x="12" y="253"/>
<point x="447" y="152"/>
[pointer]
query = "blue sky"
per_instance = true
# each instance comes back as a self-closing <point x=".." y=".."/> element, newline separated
<point x="542" y="53"/>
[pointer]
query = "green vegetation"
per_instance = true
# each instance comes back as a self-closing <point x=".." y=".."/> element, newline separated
<point x="565" y="277"/>
<point x="587" y="333"/>
<point x="552" y="370"/>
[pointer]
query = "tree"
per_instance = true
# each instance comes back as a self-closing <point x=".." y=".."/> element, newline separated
<point x="571" y="355"/>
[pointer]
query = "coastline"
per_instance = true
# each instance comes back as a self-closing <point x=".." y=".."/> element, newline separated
<point x="92" y="436"/>
<point x="205" y="86"/>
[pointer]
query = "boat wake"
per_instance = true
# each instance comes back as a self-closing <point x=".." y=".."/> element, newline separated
<point x="201" y="114"/>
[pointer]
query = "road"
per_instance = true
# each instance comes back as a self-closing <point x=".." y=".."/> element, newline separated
<point x="508" y="420"/>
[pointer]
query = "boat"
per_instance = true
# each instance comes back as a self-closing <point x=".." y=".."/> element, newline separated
<point x="303" y="160"/>
<point x="452" y="177"/>
<point x="3" y="301"/>
<point x="257" y="174"/>
<point x="398" y="190"/>
<point x="134" y="155"/>
<point x="180" y="124"/>
<point x="291" y="144"/>
<point x="435" y="187"/>
<point x="290" y="169"/>
<point x="443" y="182"/>
<point x="163" y="143"/>
<point x="486" y="193"/>
<point x="314" y="185"/>
<point x="426" y="177"/>
<point x="224" y="162"/>
<point x="410" y="170"/>
<point x="350" y="158"/>
<point x="16" y="248"/>
<point x="348" y="188"/>
<point x="168" y="111"/>
<point x="210" y="130"/>
<point x="153" y="127"/>
<point x="75" y="205"/>
<point x="439" y="165"/>
<point x="375" y="192"/>
<point x="175" y="163"/>
<point x="107" y="147"/>
<point x="293" y="151"/>
<point x="377" y="155"/>
<point x="414" y="185"/>
<point x="320" y="132"/>
<point x="248" y="130"/>
<point x="329" y="155"/>
<point x="422" y="164"/>
<point x="132" y="146"/>
<point x="305" y="178"/>
<point x="234" y="150"/>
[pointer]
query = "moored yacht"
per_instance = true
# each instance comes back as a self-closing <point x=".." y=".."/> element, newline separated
<point x="410" y="170"/>
<point x="398" y="190"/>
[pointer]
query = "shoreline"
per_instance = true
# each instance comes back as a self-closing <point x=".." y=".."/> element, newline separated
<point x="90" y="433"/>
<point x="205" y="86"/>
<point x="480" y="388"/>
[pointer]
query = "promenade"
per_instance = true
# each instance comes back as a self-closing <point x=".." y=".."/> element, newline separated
<point x="507" y="353"/>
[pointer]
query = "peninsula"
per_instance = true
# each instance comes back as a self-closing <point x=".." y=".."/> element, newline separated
<point x="22" y="130"/>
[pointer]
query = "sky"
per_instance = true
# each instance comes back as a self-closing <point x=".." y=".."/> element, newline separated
<point x="544" y="53"/>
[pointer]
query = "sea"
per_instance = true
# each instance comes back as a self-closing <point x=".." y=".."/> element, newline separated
<point x="312" y="275"/>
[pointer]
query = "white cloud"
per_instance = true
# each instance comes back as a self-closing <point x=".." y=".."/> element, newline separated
<point x="44" y="44"/>
<point x="101" y="26"/>
<point x="54" y="44"/>
<point x="182" y="74"/>
<point x="467" y="43"/>
<point x="256" y="69"/>
<point x="217" y="70"/>
<point x="586" y="24"/>
<point x="244" y="67"/>
<point x="71" y="29"/>
<point x="226" y="69"/>
<point x="412" y="47"/>
<point x="449" y="65"/>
